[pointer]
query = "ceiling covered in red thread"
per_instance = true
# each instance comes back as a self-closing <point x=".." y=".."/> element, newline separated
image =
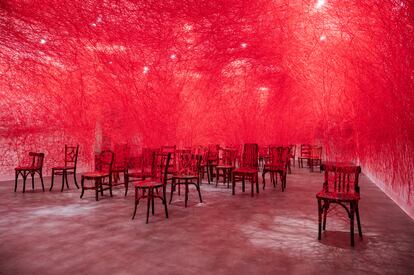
<point x="189" y="72"/>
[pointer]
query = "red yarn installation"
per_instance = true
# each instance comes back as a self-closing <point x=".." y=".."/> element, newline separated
<point x="339" y="73"/>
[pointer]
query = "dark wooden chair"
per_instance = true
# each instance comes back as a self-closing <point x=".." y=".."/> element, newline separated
<point x="103" y="171"/>
<point x="305" y="150"/>
<point x="226" y="165"/>
<point x="141" y="168"/>
<point x="158" y="180"/>
<point x="340" y="187"/>
<point x="248" y="169"/>
<point x="292" y="156"/>
<point x="187" y="174"/>
<point x="278" y="165"/>
<point x="263" y="155"/>
<point x="315" y="157"/>
<point x="120" y="166"/>
<point x="69" y="168"/>
<point x="35" y="166"/>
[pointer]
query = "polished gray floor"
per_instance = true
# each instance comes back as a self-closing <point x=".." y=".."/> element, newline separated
<point x="274" y="232"/>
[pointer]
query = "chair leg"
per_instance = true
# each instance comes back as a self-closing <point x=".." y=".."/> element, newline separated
<point x="233" y="184"/>
<point x="153" y="208"/>
<point x="172" y="190"/>
<point x="15" y="181"/>
<point x="358" y="220"/>
<point x="263" y="179"/>
<point x="97" y="186"/>
<point x="164" y="195"/>
<point x="319" y="218"/>
<point x="135" y="203"/>
<point x="82" y="186"/>
<point x="256" y="178"/>
<point x="74" y="178"/>
<point x="41" y="181"/>
<point x="53" y="180"/>
<point x="217" y="176"/>
<point x="186" y="192"/>
<point x="66" y="179"/>
<point x="148" y="202"/>
<point x="352" y="215"/>
<point x="243" y="182"/>
<point x="32" y="175"/>
<point x="199" y="191"/>
<point x="24" y="182"/>
<point x="63" y="181"/>
<point x="325" y="212"/>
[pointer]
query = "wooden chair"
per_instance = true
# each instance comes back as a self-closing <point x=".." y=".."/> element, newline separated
<point x="69" y="168"/>
<point x="278" y="164"/>
<point x="315" y="157"/>
<point x="141" y="168"/>
<point x="103" y="171"/>
<point x="158" y="180"/>
<point x="34" y="167"/>
<point x="120" y="166"/>
<point x="187" y="174"/>
<point x="226" y="165"/>
<point x="304" y="154"/>
<point x="248" y="169"/>
<point x="263" y="155"/>
<point x="292" y="155"/>
<point x="340" y="187"/>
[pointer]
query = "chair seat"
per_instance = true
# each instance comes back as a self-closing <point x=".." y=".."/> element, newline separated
<point x="119" y="169"/>
<point x="184" y="177"/>
<point x="96" y="174"/>
<point x="148" y="184"/>
<point x="225" y="167"/>
<point x="63" y="168"/>
<point x="271" y="167"/>
<point x="338" y="196"/>
<point x="245" y="170"/>
<point x="20" y="168"/>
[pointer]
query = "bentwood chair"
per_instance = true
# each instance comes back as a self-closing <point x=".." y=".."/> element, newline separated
<point x="69" y="168"/>
<point x="305" y="150"/>
<point x="187" y="174"/>
<point x="278" y="164"/>
<point x="141" y="168"/>
<point x="144" y="189"/>
<point x="120" y="166"/>
<point x="35" y="166"/>
<point x="226" y="165"/>
<point x="315" y="157"/>
<point x="340" y="187"/>
<point x="103" y="171"/>
<point x="248" y="169"/>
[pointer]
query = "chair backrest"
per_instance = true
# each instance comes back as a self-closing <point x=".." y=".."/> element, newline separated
<point x="122" y="154"/>
<point x="264" y="151"/>
<point x="213" y="152"/>
<point x="183" y="161"/>
<point x="305" y="150"/>
<point x="170" y="149"/>
<point x="160" y="165"/>
<point x="71" y="155"/>
<point x="250" y="155"/>
<point x="104" y="161"/>
<point x="229" y="156"/>
<point x="279" y="156"/>
<point x="315" y="152"/>
<point x="341" y="179"/>
<point x="292" y="150"/>
<point x="37" y="160"/>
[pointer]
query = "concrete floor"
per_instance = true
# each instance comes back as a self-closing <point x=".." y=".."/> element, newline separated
<point x="275" y="232"/>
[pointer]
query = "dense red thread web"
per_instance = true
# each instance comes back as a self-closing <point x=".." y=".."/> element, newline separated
<point x="339" y="73"/>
